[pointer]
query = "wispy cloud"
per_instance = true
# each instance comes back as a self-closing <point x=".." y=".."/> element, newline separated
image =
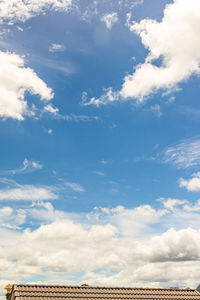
<point x="56" y="48"/>
<point x="184" y="154"/>
<point x="27" y="166"/>
<point x="100" y="173"/>
<point x="104" y="161"/>
<point x="130" y="4"/>
<point x="54" y="112"/>
<point x="76" y="187"/>
<point x="155" y="109"/>
<point x="65" y="67"/>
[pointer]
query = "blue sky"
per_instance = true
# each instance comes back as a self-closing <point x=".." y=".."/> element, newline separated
<point x="100" y="142"/>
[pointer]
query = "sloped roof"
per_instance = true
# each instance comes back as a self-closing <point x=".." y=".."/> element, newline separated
<point x="53" y="292"/>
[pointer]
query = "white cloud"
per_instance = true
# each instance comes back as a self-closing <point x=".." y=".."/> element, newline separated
<point x="43" y="211"/>
<point x="10" y="218"/>
<point x="28" y="166"/>
<point x="90" y="11"/>
<point x="142" y="246"/>
<point x="175" y="246"/>
<point x="180" y="56"/>
<point x="98" y="246"/>
<point x="15" y="81"/>
<point x="193" y="208"/>
<point x="56" y="48"/>
<point x="155" y="109"/>
<point x="174" y="40"/>
<point x="109" y="96"/>
<point x="130" y="4"/>
<point x="184" y="154"/>
<point x="27" y="193"/>
<point x="78" y="118"/>
<point x="172" y="203"/>
<point x="193" y="184"/>
<point x="75" y="187"/>
<point x="110" y="19"/>
<point x="21" y="10"/>
<point x="131" y="222"/>
<point x="54" y="112"/>
<point x="100" y="173"/>
<point x="96" y="8"/>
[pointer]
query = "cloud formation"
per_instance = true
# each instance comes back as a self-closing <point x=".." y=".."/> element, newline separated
<point x="21" y="10"/>
<point x="15" y="81"/>
<point x="116" y="246"/>
<point x="155" y="109"/>
<point x="178" y="50"/>
<point x="27" y="193"/>
<point x="193" y="184"/>
<point x="184" y="154"/>
<point x="180" y="56"/>
<point x="110" y="19"/>
<point x="54" y="112"/>
<point x="76" y="187"/>
<point x="56" y="48"/>
<point x="10" y="218"/>
<point x="27" y="166"/>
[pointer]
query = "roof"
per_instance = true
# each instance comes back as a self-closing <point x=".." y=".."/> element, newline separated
<point x="55" y="292"/>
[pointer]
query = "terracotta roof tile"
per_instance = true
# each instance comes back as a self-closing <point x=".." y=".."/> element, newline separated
<point x="51" y="292"/>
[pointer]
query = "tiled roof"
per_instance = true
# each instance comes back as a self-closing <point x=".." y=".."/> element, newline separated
<point x="53" y="292"/>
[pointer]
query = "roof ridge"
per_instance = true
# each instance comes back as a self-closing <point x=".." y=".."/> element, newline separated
<point x="104" y="287"/>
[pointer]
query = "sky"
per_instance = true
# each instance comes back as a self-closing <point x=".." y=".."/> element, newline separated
<point x="100" y="142"/>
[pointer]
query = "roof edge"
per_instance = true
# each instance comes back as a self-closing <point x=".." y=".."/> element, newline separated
<point x="100" y="287"/>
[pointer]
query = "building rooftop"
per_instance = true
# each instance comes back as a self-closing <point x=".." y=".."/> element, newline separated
<point x="55" y="292"/>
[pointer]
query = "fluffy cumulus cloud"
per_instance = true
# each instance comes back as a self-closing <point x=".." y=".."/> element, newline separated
<point x="15" y="81"/>
<point x="21" y="10"/>
<point x="193" y="184"/>
<point x="180" y="56"/>
<point x="130" y="222"/>
<point x="174" y="41"/>
<point x="110" y="19"/>
<point x="172" y="203"/>
<point x="10" y="218"/>
<point x="97" y="245"/>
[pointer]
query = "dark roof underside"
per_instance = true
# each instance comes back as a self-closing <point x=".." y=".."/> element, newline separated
<point x="42" y="292"/>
